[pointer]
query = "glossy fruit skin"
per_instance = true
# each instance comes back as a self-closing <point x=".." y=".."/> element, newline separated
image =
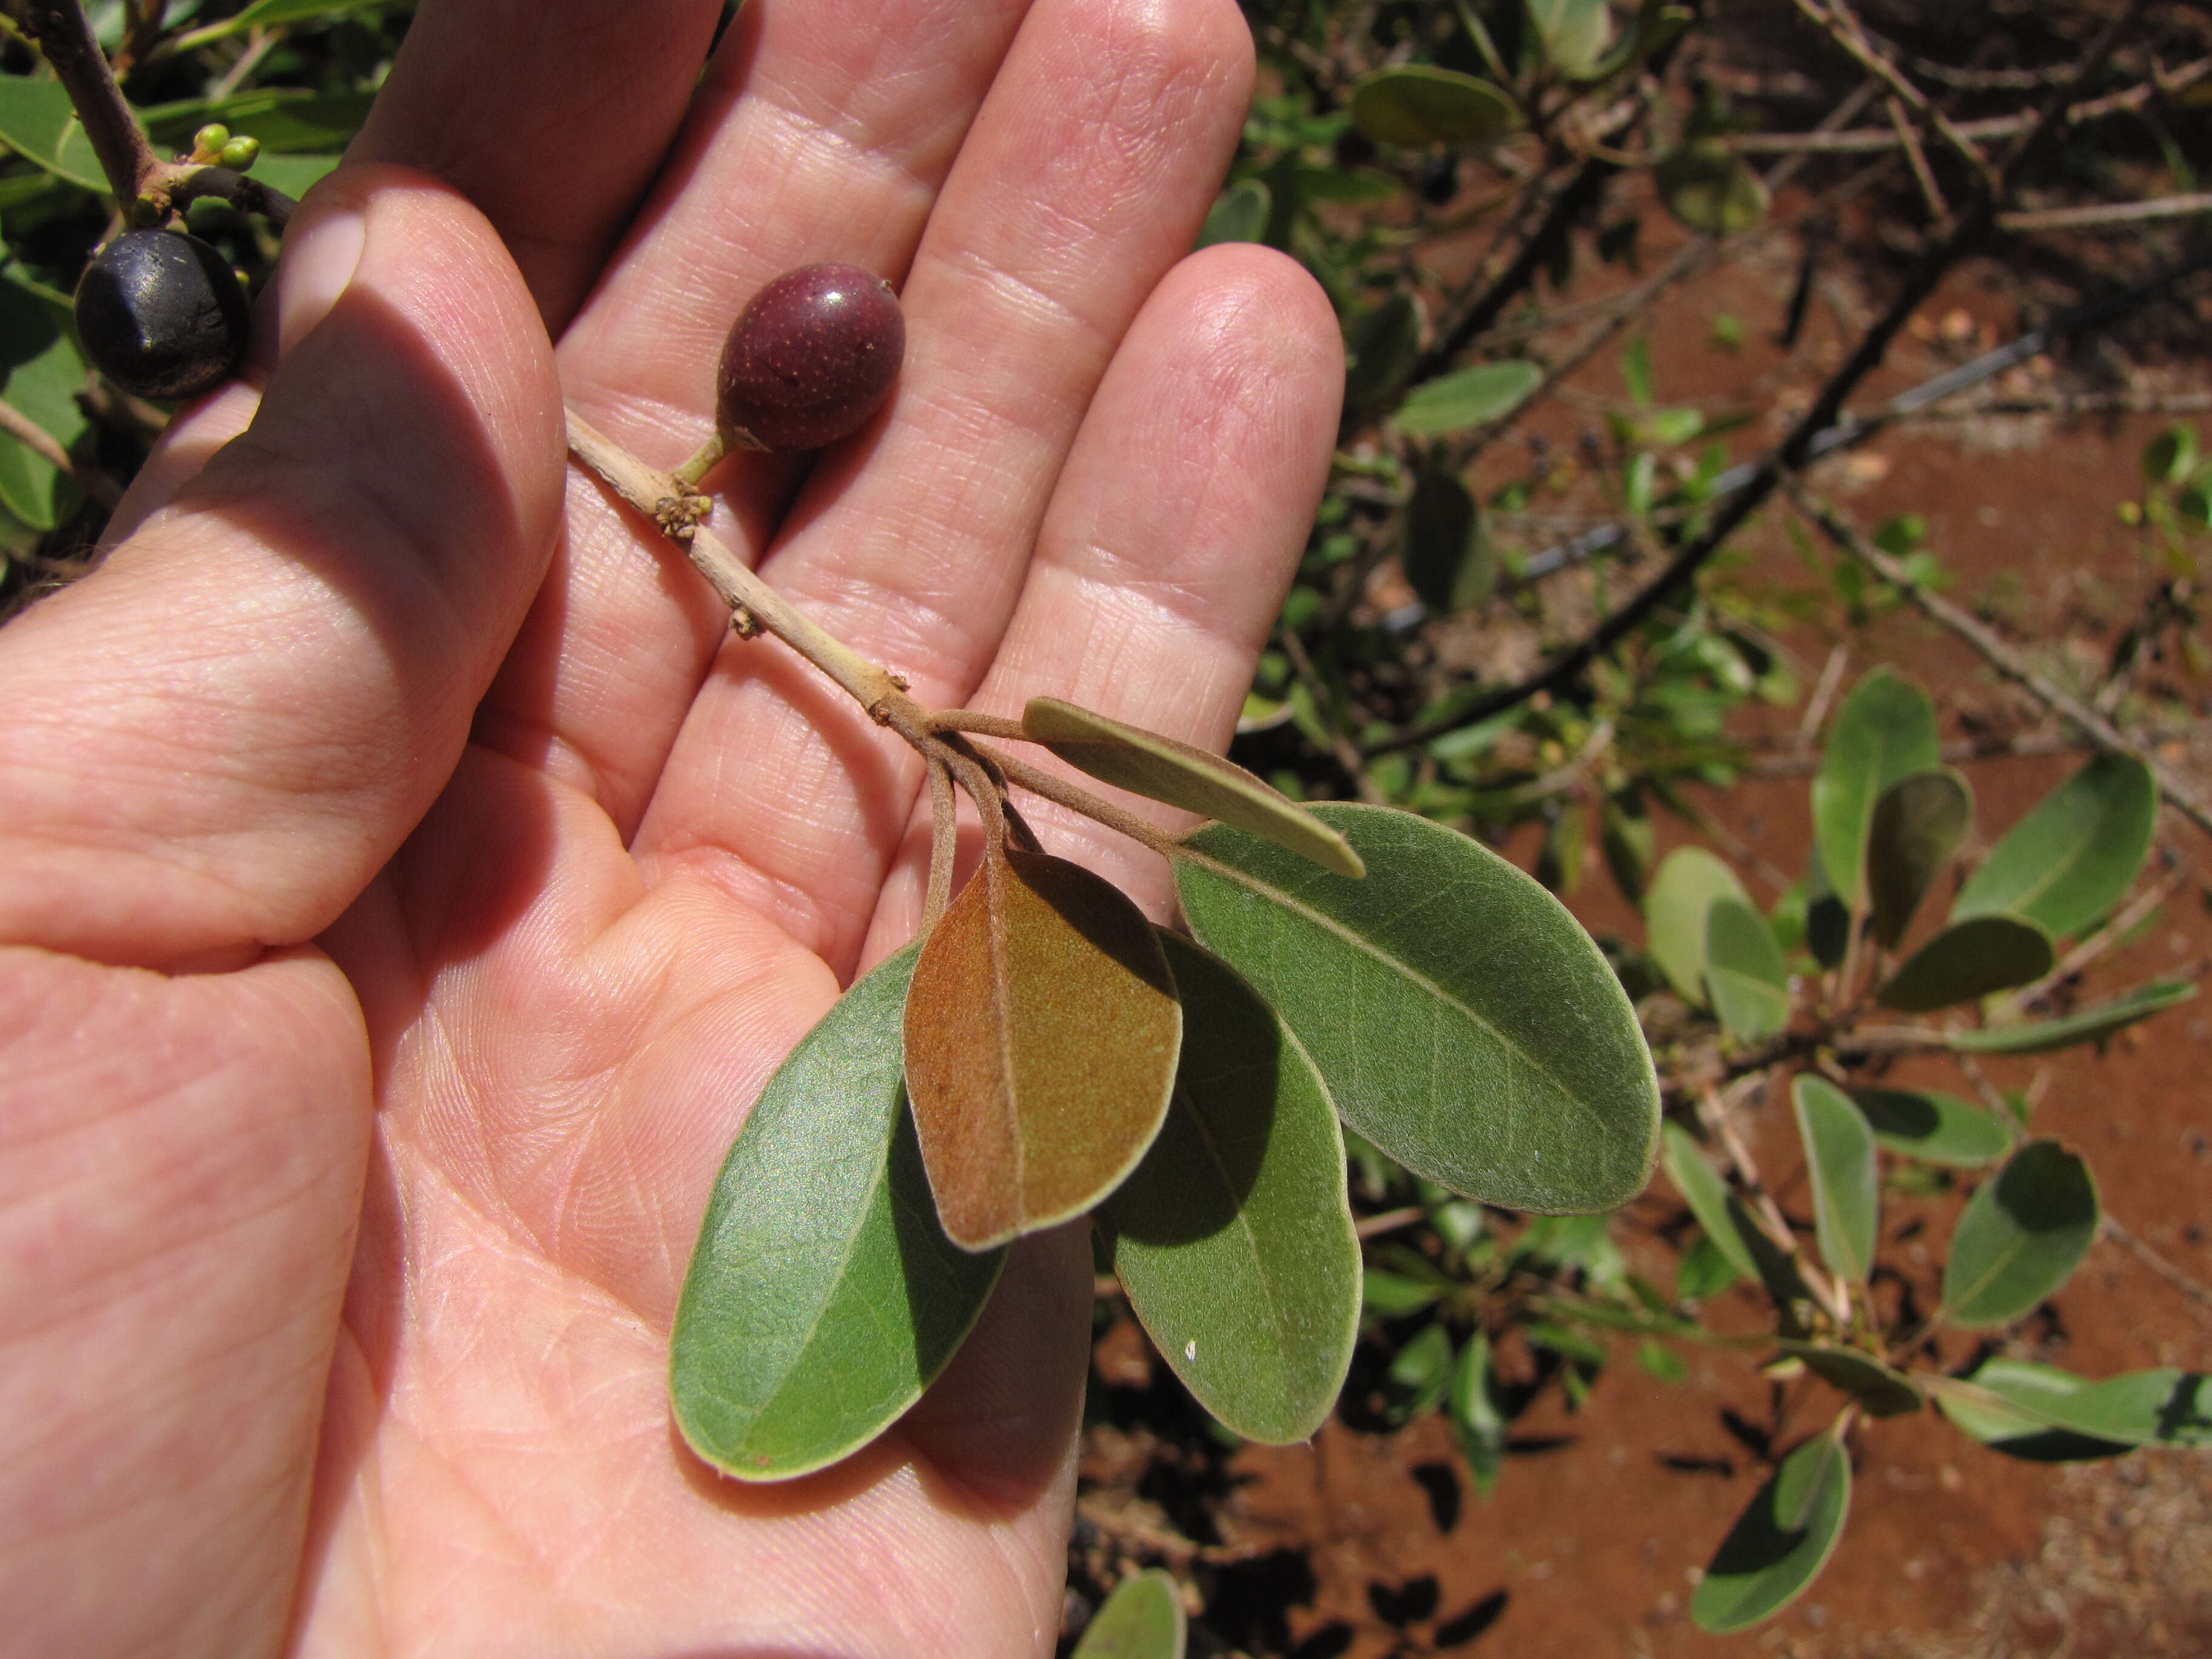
<point x="810" y="359"/>
<point x="161" y="314"/>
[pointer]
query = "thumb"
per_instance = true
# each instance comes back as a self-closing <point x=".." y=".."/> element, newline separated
<point x="215" y="740"/>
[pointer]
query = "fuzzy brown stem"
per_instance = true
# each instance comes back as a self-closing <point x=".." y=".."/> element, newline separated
<point x="1079" y="799"/>
<point x="943" y="844"/>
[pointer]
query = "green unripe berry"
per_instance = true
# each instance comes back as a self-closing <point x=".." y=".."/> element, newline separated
<point x="241" y="153"/>
<point x="211" y="139"/>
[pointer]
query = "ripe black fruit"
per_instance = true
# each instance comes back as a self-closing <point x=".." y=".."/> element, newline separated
<point x="161" y="314"/>
<point x="810" y="359"/>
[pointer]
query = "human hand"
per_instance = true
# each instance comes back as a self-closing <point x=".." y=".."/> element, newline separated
<point x="407" y="883"/>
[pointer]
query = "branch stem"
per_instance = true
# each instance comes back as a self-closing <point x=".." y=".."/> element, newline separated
<point x="64" y="36"/>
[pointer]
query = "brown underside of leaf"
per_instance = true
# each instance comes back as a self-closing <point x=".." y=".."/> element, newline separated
<point x="1042" y="1034"/>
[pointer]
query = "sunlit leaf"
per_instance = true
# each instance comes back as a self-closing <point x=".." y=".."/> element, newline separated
<point x="1143" y="1618"/>
<point x="1240" y="214"/>
<point x="2035" y="1036"/>
<point x="1386" y="1295"/>
<point x="1917" y="826"/>
<point x="1970" y="959"/>
<point x="2021" y="1236"/>
<point x="1937" y="1128"/>
<point x="1745" y="971"/>
<point x="1778" y="1546"/>
<point x="1161" y="768"/>
<point x="1462" y="1019"/>
<point x="1718" y="1211"/>
<point x="1574" y="33"/>
<point x="1422" y="104"/>
<point x="1885" y="732"/>
<point x="822" y="1296"/>
<point x="2049" y="1415"/>
<point x="2075" y="856"/>
<point x="44" y="373"/>
<point x="1839" y="1161"/>
<point x="1674" y="910"/>
<point x="1477" y="1422"/>
<point x="281" y="118"/>
<point x="293" y="174"/>
<point x="39" y="124"/>
<point x="1041" y="1040"/>
<point x="1419" y="1374"/>
<point x="1709" y="189"/>
<point x="1882" y="1391"/>
<point x="1470" y="396"/>
<point x="1234" y="1238"/>
<point x="2168" y="457"/>
<point x="1446" y="555"/>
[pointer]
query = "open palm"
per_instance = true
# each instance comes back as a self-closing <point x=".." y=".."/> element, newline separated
<point x="407" y="882"/>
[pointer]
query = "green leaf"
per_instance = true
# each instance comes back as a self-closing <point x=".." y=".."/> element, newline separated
<point x="2022" y="1235"/>
<point x="1386" y="1295"/>
<point x="1143" y="1618"/>
<point x="1727" y="1224"/>
<point x="1421" y="104"/>
<point x="282" y="118"/>
<point x="822" y="1296"/>
<point x="1573" y="34"/>
<point x="1675" y="910"/>
<point x="1477" y="1422"/>
<point x="1445" y="554"/>
<point x="1420" y="1374"/>
<point x="1967" y="960"/>
<point x="2050" y="1415"/>
<point x="1381" y="346"/>
<point x="1779" y="1544"/>
<point x="44" y="373"/>
<point x="1882" y="1391"/>
<point x="1709" y="189"/>
<point x="2085" y="1025"/>
<point x="1042" y="1032"/>
<point x="2168" y="457"/>
<point x="2076" y="855"/>
<point x="293" y="174"/>
<point x="38" y="122"/>
<point x="1885" y="732"/>
<point x="1917" y="826"/>
<point x="265" y="14"/>
<point x="1161" y="768"/>
<point x="1462" y="1019"/>
<point x="1940" y="1128"/>
<point x="1635" y="371"/>
<point x="1240" y="214"/>
<point x="1827" y="919"/>
<point x="1233" y="1238"/>
<point x="1471" y="397"/>
<point x="1703" y="1271"/>
<point x="1745" y="971"/>
<point x="1839" y="1160"/>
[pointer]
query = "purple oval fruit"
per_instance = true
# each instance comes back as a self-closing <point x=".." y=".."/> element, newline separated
<point x="810" y="359"/>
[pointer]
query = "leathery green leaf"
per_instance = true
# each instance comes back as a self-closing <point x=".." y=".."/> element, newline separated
<point x="1477" y="1422"/>
<point x="1885" y="732"/>
<point x="1937" y="1128"/>
<point x="1779" y="1544"/>
<point x="1421" y="104"/>
<point x="1443" y="551"/>
<point x="2042" y="1412"/>
<point x="1840" y="1159"/>
<point x="1882" y="1391"/>
<point x="1239" y="215"/>
<point x="1462" y="1019"/>
<point x="2036" y="1037"/>
<point x="1143" y="1618"/>
<point x="1967" y="960"/>
<point x="823" y="1296"/>
<point x="1745" y="971"/>
<point x="1916" y="825"/>
<point x="2021" y="1236"/>
<point x="1234" y="1238"/>
<point x="43" y="372"/>
<point x="37" y="122"/>
<point x="1574" y="33"/>
<point x="1674" y="910"/>
<point x="2075" y="856"/>
<point x="1160" y="768"/>
<point x="1717" y="1209"/>
<point x="1469" y="396"/>
<point x="1041" y="1040"/>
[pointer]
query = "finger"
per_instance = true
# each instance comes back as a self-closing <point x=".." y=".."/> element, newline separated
<point x="1088" y="171"/>
<point x="800" y="148"/>
<point x="214" y="741"/>
<point x="549" y="115"/>
<point x="1177" y="527"/>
